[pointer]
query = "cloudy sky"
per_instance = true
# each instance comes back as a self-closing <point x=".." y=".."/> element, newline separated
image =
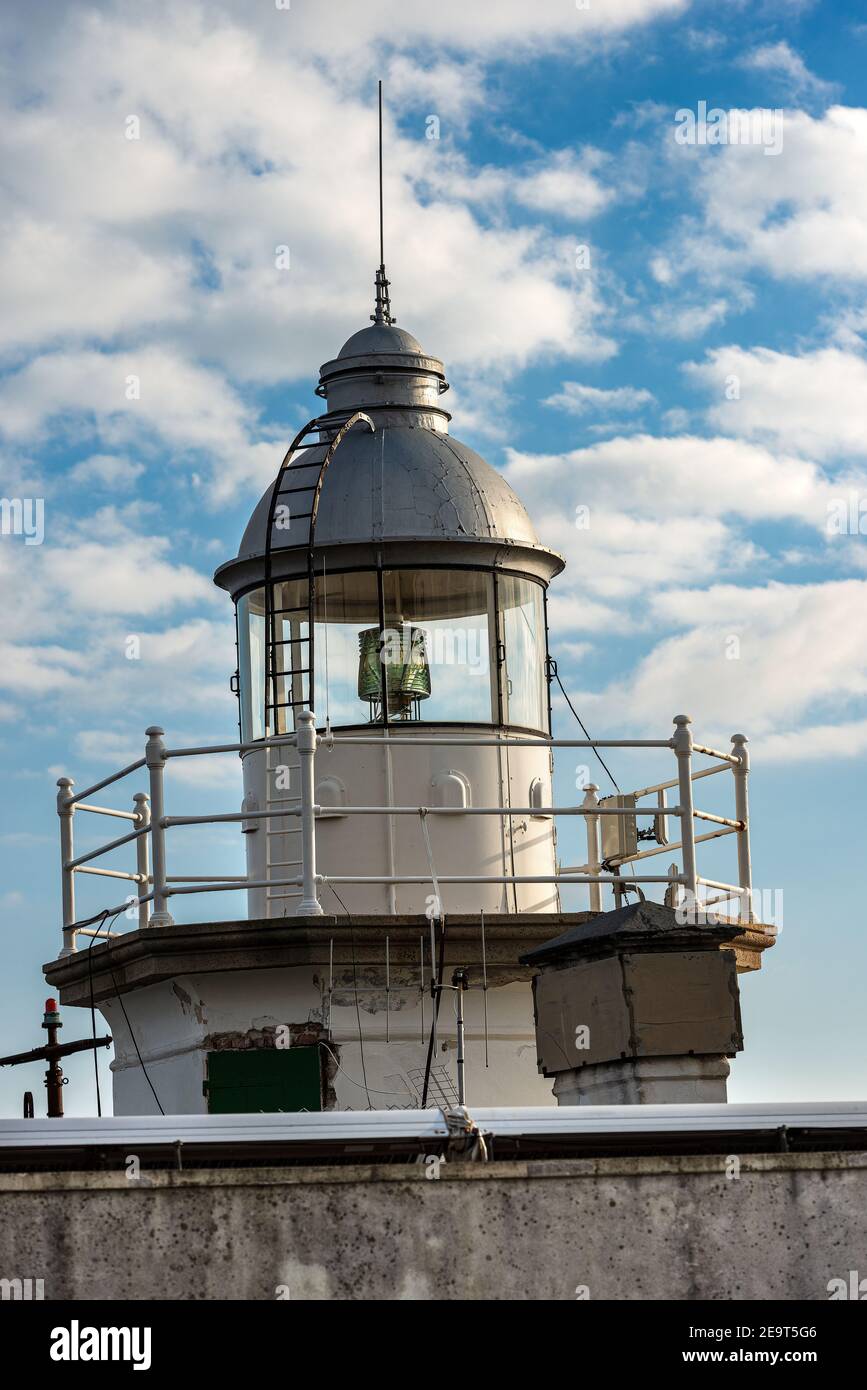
<point x="664" y="337"/>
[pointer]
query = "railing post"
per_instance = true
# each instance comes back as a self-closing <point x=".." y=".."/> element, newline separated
<point x="66" y="811"/>
<point x="742" y="813"/>
<point x="155" y="755"/>
<point x="591" y="824"/>
<point x="682" y="745"/>
<point x="309" y="905"/>
<point x="142" y="809"/>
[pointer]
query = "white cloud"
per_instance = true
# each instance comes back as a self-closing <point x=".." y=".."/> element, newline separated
<point x="801" y="661"/>
<point x="566" y="185"/>
<point x="107" y="470"/>
<point x="176" y="232"/>
<point x="683" y="475"/>
<point x="797" y="215"/>
<point x="577" y="399"/>
<point x="781" y="61"/>
<point x="814" y="403"/>
<point x="445" y="89"/>
<point x="184" y="406"/>
<point x="67" y="282"/>
<point x="456" y="25"/>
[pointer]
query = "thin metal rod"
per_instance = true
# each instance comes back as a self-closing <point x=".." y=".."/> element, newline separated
<point x="206" y="878"/>
<point x="421" y="982"/>
<point x="456" y="742"/>
<point x="421" y="878"/>
<point x="142" y="850"/>
<point x="381" y="220"/>
<point x="155" y="750"/>
<point x="387" y="991"/>
<point x="106" y="811"/>
<point x="682" y="744"/>
<point x="713" y="753"/>
<point x="107" y="781"/>
<point x="104" y="849"/>
<point x="107" y="873"/>
<point x="648" y="853"/>
<point x="718" y="820"/>
<point x="461" y="1061"/>
<point x="664" y="786"/>
<point x="504" y="811"/>
<point x="493" y="878"/>
<point x="278" y="740"/>
<point x="330" y="977"/>
<point x="741" y="772"/>
<point x="485" y="985"/>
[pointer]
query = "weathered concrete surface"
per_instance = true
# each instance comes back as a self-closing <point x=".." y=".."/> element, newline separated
<point x="626" y="1228"/>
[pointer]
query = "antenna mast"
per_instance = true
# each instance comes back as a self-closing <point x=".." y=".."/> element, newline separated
<point x="382" y="308"/>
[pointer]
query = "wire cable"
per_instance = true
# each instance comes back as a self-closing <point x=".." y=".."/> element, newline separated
<point x="627" y="888"/>
<point x="101" y="918"/>
<point x="355" y="981"/>
<point x="105" y="918"/>
<point x="596" y="753"/>
<point x="360" y="1084"/>
<point x="437" y="996"/>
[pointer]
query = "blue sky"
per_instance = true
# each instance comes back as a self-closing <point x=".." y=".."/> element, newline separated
<point x="699" y="381"/>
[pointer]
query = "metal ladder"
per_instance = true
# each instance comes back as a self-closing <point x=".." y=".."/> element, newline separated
<point x="295" y="470"/>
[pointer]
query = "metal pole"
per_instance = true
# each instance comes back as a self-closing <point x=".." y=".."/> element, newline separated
<point x="682" y="745"/>
<point x="155" y="756"/>
<point x="591" y="824"/>
<point x="66" y="812"/>
<point x="459" y="984"/>
<point x="142" y="818"/>
<point x="742" y="812"/>
<point x="54" y="1075"/>
<point x="309" y="905"/>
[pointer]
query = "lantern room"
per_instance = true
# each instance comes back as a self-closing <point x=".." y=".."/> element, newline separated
<point x="391" y="581"/>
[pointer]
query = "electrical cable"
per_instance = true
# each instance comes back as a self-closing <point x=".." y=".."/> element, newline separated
<point x="105" y="918"/>
<point x="436" y="989"/>
<point x="437" y="996"/>
<point x="134" y="1043"/>
<point x="605" y="864"/>
<point x="610" y="774"/>
<point x="360" y="1084"/>
<point x="355" y="980"/>
<point x="101" y="918"/>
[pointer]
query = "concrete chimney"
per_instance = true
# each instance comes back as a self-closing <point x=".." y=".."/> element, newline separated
<point x="635" y="1007"/>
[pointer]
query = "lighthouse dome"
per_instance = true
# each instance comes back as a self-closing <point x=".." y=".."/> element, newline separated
<point x="407" y="482"/>
<point x="402" y="483"/>
<point x="380" y="337"/>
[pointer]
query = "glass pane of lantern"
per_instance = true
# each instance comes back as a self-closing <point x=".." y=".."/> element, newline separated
<point x="437" y="645"/>
<point x="291" y="655"/>
<point x="523" y="625"/>
<point x="346" y="607"/>
<point x="251" y="663"/>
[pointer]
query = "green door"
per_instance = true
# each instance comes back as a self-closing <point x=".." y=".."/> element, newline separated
<point x="264" y="1081"/>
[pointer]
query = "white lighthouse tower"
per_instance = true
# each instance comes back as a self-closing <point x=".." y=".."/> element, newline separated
<point x="391" y="616"/>
<point x="398" y="809"/>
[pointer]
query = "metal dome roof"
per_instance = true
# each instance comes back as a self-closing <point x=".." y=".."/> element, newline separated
<point x="402" y="483"/>
<point x="408" y="484"/>
<point x="380" y="337"/>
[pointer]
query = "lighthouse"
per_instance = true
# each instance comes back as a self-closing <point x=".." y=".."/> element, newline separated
<point x="390" y="596"/>
<point x="402" y="874"/>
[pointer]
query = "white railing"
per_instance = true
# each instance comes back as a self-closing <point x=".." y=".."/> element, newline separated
<point x="155" y="886"/>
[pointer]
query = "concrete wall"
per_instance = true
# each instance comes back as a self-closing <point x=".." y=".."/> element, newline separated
<point x="628" y="1228"/>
